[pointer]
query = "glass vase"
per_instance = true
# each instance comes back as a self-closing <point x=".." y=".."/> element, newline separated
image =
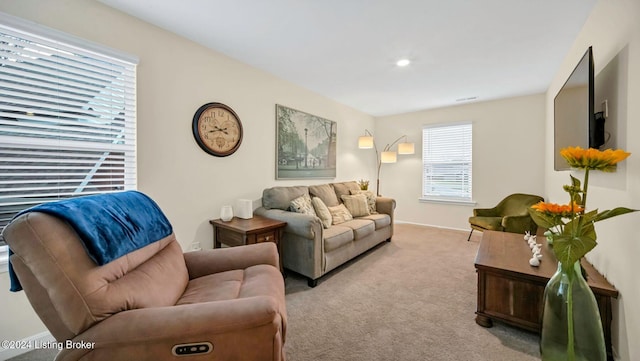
<point x="571" y="325"/>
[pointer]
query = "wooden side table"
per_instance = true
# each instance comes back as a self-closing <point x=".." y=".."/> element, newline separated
<point x="238" y="232"/>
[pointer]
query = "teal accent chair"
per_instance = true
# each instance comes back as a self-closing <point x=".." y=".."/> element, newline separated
<point x="510" y="215"/>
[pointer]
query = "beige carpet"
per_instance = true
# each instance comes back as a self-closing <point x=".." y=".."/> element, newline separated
<point x="412" y="299"/>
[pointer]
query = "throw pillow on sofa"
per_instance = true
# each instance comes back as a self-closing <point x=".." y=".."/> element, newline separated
<point x="303" y="205"/>
<point x="340" y="214"/>
<point x="371" y="199"/>
<point x="281" y="197"/>
<point x="344" y="188"/>
<point x="322" y="211"/>
<point x="356" y="204"/>
<point x="326" y="193"/>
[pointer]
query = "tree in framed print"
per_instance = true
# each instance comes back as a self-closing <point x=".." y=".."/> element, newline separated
<point x="305" y="145"/>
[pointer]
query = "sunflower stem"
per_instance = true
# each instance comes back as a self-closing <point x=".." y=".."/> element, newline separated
<point x="580" y="224"/>
<point x="584" y="190"/>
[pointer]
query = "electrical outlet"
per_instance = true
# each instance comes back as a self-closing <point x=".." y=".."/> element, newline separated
<point x="605" y="108"/>
<point x="195" y="246"/>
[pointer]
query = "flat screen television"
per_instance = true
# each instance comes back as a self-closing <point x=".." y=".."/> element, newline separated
<point x="575" y="123"/>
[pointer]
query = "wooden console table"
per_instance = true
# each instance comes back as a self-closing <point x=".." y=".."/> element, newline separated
<point x="511" y="290"/>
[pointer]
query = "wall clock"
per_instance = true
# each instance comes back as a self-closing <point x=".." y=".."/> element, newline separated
<point x="217" y="129"/>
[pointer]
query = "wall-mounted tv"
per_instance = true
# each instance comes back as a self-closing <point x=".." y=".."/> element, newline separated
<point x="575" y="123"/>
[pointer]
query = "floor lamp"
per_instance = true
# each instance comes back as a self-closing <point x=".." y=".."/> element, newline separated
<point x="387" y="155"/>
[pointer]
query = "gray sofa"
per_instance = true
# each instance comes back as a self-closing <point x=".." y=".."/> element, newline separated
<point x="310" y="246"/>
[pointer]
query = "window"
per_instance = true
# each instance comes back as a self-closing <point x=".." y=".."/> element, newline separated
<point x="446" y="162"/>
<point x="67" y="118"/>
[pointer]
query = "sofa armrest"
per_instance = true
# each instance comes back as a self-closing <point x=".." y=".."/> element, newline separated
<point x="485" y="212"/>
<point x="209" y="261"/>
<point x="302" y="225"/>
<point x="302" y="246"/>
<point x="385" y="205"/>
<point x="150" y="333"/>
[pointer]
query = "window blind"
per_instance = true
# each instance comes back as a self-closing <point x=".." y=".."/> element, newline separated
<point x="447" y="162"/>
<point x="67" y="121"/>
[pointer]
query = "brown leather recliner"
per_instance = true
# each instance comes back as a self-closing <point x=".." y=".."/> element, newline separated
<point x="154" y="302"/>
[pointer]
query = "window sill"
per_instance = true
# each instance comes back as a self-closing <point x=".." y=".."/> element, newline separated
<point x="456" y="202"/>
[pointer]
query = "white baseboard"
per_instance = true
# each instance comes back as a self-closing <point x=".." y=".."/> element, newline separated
<point x="431" y="225"/>
<point x="16" y="349"/>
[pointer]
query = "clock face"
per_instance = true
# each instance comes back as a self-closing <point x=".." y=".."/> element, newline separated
<point x="217" y="129"/>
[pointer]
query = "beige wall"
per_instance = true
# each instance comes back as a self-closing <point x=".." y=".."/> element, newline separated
<point x="613" y="30"/>
<point x="175" y="77"/>
<point x="508" y="157"/>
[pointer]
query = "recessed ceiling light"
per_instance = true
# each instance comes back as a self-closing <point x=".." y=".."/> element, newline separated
<point x="403" y="62"/>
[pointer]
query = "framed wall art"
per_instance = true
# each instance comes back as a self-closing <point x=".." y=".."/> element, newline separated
<point x="305" y="145"/>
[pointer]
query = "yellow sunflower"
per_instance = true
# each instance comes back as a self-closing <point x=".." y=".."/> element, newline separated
<point x="554" y="209"/>
<point x="603" y="160"/>
<point x="570" y="228"/>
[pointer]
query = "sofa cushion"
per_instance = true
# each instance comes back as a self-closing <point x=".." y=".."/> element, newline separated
<point x="356" y="204"/>
<point x="322" y="212"/>
<point x="326" y="193"/>
<point x="344" y="188"/>
<point x="303" y="205"/>
<point x="336" y="237"/>
<point x="340" y="214"/>
<point x="361" y="227"/>
<point x="281" y="197"/>
<point x="381" y="220"/>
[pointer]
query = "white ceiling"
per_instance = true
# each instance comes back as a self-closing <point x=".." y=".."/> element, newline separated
<point x="346" y="49"/>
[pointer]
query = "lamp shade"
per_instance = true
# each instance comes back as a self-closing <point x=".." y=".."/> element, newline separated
<point x="406" y="148"/>
<point x="388" y="157"/>
<point x="365" y="142"/>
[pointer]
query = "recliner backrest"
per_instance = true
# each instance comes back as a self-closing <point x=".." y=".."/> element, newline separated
<point x="70" y="292"/>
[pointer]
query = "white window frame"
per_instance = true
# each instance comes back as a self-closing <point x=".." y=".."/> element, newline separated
<point x="4" y="258"/>
<point x="449" y="148"/>
<point x="79" y="55"/>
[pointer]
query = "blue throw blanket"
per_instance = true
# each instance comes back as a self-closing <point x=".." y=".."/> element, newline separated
<point x="109" y="225"/>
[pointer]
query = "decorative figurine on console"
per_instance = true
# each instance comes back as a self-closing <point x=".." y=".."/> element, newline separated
<point x="535" y="249"/>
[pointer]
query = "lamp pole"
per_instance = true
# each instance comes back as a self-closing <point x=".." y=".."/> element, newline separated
<point x="367" y="142"/>
<point x="379" y="159"/>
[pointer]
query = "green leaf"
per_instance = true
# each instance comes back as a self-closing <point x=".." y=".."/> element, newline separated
<point x="570" y="248"/>
<point x="543" y="220"/>
<point x="612" y="213"/>
<point x="578" y="199"/>
<point x="589" y="217"/>
<point x="588" y="230"/>
<point x="575" y="192"/>
<point x="575" y="181"/>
